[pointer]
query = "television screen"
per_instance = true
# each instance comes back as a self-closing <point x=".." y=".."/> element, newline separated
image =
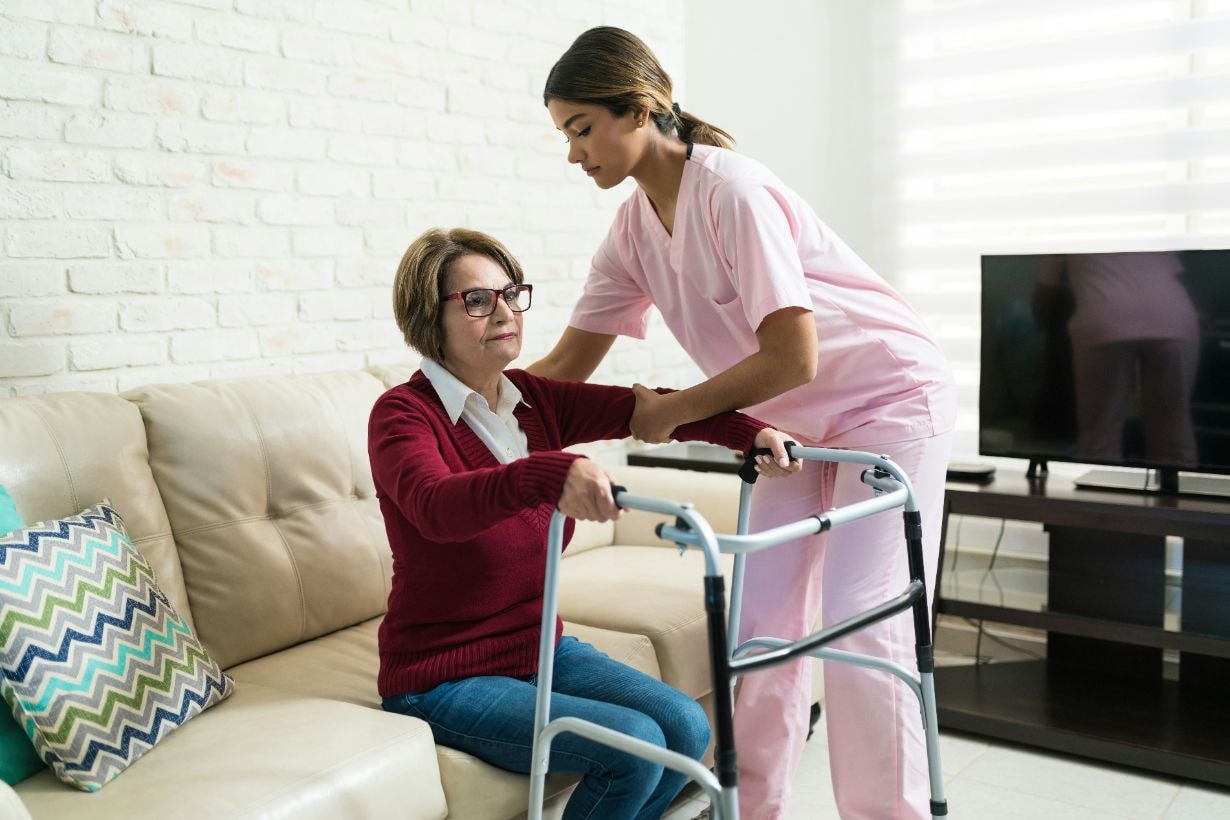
<point x="1107" y="358"/>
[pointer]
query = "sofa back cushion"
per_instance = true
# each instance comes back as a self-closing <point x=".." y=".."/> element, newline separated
<point x="392" y="374"/>
<point x="64" y="451"/>
<point x="715" y="496"/>
<point x="267" y="486"/>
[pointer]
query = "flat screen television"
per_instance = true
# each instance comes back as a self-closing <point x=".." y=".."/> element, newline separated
<point x="1114" y="359"/>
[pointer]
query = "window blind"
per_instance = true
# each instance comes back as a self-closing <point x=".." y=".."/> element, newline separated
<point x="1015" y="126"/>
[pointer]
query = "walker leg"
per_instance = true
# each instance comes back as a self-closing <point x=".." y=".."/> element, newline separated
<point x="925" y="650"/>
<point x="728" y="808"/>
<point x="725" y="761"/>
<point x="939" y="804"/>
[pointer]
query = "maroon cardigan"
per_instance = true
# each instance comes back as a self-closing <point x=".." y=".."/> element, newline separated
<point x="469" y="534"/>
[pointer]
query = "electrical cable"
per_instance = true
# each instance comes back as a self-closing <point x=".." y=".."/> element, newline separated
<point x="976" y="623"/>
<point x="956" y="556"/>
<point x="999" y="539"/>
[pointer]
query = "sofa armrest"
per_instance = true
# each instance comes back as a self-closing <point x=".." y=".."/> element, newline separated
<point x="11" y="807"/>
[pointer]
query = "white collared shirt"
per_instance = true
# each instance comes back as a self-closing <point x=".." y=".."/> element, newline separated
<point x="499" y="430"/>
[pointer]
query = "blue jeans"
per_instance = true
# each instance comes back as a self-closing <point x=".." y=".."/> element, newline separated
<point x="492" y="718"/>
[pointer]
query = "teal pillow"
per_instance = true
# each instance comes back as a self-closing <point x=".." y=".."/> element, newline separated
<point x="18" y="760"/>
<point x="9" y="519"/>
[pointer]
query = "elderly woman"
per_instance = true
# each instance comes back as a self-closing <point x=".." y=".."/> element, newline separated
<point x="468" y="465"/>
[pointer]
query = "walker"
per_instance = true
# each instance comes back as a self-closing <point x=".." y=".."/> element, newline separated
<point x="891" y="489"/>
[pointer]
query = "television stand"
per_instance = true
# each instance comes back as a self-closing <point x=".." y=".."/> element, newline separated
<point x="1037" y="469"/>
<point x="1166" y="482"/>
<point x="1106" y="688"/>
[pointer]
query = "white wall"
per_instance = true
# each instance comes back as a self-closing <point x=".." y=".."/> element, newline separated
<point x="206" y="188"/>
<point x="791" y="80"/>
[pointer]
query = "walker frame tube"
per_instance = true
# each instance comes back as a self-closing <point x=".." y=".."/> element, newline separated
<point x="721" y="788"/>
<point x="886" y="478"/>
<point x="727" y="660"/>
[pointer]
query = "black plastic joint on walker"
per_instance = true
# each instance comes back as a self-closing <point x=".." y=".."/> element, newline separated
<point x="726" y="767"/>
<point x="725" y="760"/>
<point x="825" y="523"/>
<point x="926" y="657"/>
<point x="939" y="808"/>
<point x="913" y="524"/>
<point x="680" y="525"/>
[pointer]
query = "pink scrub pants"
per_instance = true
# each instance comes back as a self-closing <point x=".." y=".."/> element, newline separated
<point x="877" y="750"/>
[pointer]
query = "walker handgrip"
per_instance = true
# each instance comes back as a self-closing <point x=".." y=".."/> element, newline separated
<point x="748" y="471"/>
<point x="616" y="489"/>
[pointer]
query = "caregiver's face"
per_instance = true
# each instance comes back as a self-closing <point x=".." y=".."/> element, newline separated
<point x="606" y="147"/>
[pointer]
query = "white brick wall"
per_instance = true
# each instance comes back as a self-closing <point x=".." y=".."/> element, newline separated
<point x="195" y="189"/>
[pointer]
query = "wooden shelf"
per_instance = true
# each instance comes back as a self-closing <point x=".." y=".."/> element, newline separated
<point x="1101" y="693"/>
<point x="1157" y="725"/>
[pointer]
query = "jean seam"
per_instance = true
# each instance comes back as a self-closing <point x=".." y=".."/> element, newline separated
<point x="594" y="805"/>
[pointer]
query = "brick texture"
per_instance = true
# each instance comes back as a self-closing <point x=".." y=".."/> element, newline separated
<point x="208" y="189"/>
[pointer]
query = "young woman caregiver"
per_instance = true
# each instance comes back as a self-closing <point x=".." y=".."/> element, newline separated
<point x="790" y="324"/>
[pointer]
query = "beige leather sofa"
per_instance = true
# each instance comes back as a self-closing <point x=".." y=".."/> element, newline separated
<point x="253" y="501"/>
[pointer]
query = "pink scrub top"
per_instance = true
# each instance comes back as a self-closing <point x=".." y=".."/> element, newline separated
<point x="744" y="246"/>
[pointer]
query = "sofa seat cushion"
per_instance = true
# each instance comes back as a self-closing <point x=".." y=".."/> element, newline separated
<point x="479" y="791"/>
<point x="342" y="666"/>
<point x="659" y="594"/>
<point x="265" y="754"/>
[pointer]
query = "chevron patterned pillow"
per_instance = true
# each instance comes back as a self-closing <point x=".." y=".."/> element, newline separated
<point x="94" y="661"/>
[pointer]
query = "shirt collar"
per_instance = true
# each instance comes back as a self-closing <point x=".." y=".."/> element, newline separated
<point x="454" y="393"/>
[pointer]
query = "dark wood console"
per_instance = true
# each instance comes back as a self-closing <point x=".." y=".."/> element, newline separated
<point x="1103" y="690"/>
<point x="689" y="455"/>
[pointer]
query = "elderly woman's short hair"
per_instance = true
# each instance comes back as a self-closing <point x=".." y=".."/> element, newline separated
<point x="422" y="276"/>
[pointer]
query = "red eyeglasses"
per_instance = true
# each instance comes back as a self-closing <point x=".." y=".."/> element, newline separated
<point x="480" y="302"/>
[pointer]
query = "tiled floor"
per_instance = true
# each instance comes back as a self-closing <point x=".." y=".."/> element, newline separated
<point x="993" y="781"/>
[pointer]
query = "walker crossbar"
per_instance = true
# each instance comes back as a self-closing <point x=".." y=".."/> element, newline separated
<point x="830" y="654"/>
<point x="804" y="646"/>
<point x="892" y="489"/>
<point x="631" y="745"/>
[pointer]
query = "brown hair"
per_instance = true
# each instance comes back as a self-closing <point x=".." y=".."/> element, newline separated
<point x="613" y="68"/>
<point x="422" y="276"/>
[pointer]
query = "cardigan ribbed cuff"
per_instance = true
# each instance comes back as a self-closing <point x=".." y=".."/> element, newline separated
<point x="734" y="430"/>
<point x="542" y="476"/>
<point x="745" y="428"/>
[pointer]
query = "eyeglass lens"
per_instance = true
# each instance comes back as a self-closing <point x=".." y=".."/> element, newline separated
<point x="481" y="302"/>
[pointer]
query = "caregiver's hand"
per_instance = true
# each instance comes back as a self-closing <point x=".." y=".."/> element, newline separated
<point x="771" y="466"/>
<point x="587" y="493"/>
<point x="652" y="421"/>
